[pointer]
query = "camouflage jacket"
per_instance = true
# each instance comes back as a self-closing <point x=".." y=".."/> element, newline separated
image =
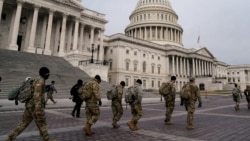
<point x="95" y="95"/>
<point x="39" y="94"/>
<point x="195" y="92"/>
<point x="119" y="91"/>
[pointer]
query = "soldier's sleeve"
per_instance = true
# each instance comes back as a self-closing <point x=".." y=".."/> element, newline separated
<point x="38" y="94"/>
<point x="96" y="91"/>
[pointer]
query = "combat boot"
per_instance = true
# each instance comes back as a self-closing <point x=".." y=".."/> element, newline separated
<point x="9" y="139"/>
<point x="131" y="125"/>
<point x="115" y="125"/>
<point x="91" y="130"/>
<point x="136" y="127"/>
<point x="87" y="129"/>
<point x="190" y="126"/>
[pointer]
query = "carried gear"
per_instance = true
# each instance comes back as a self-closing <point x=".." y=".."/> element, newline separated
<point x="165" y="89"/>
<point x="112" y="93"/>
<point x="130" y="94"/>
<point x="235" y="92"/>
<point x="185" y="92"/>
<point x="85" y="91"/>
<point x="13" y="93"/>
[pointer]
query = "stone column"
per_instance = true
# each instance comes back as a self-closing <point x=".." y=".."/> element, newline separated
<point x="62" y="37"/>
<point x="69" y="36"/>
<point x="101" y="52"/>
<point x="177" y="65"/>
<point x="56" y="46"/>
<point x="173" y="64"/>
<point x="47" y="50"/>
<point x="188" y="67"/>
<point x="75" y="40"/>
<point x="167" y="65"/>
<point x="13" y="43"/>
<point x="43" y="36"/>
<point x="156" y="33"/>
<point x="1" y="9"/>
<point x="193" y="67"/>
<point x="92" y="36"/>
<point x="146" y="34"/>
<point x="150" y="33"/>
<point x="31" y="46"/>
<point x="81" y="37"/>
<point x="181" y="66"/>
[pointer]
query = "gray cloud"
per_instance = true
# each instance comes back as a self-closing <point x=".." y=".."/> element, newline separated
<point x="223" y="25"/>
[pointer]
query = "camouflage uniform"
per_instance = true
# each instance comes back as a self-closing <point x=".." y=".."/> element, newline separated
<point x="92" y="107"/>
<point x="50" y="94"/>
<point x="237" y="100"/>
<point x="136" y="108"/>
<point x="36" y="104"/>
<point x="117" y="106"/>
<point x="247" y="94"/>
<point x="170" y="103"/>
<point x="190" y="103"/>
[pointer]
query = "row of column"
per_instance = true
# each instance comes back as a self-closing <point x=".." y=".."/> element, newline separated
<point x="156" y="33"/>
<point x="49" y="22"/>
<point x="190" y="67"/>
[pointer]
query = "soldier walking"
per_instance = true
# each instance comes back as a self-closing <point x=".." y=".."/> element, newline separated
<point x="170" y="100"/>
<point x="247" y="94"/>
<point x="92" y="104"/>
<point x="190" y="103"/>
<point x="116" y="105"/>
<point x="136" y="106"/>
<point x="50" y="92"/>
<point x="236" y="97"/>
<point x="34" y="109"/>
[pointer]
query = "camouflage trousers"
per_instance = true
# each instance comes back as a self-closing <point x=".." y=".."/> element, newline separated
<point x="92" y="113"/>
<point x="169" y="109"/>
<point x="136" y="111"/>
<point x="50" y="96"/>
<point x="28" y="116"/>
<point x="190" y="107"/>
<point x="117" y="110"/>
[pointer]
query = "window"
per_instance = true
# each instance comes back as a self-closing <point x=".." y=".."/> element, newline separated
<point x="135" y="53"/>
<point x="144" y="67"/>
<point x="127" y="51"/>
<point x="110" y="65"/>
<point x="111" y="51"/>
<point x="159" y="58"/>
<point x="144" y="84"/>
<point x="153" y="83"/>
<point x="109" y="79"/>
<point x="127" y="65"/>
<point x="153" y="56"/>
<point x="153" y="69"/>
<point x="159" y="84"/>
<point x="135" y="67"/>
<point x="144" y="55"/>
<point x="159" y="70"/>
<point x="135" y="81"/>
<point x="126" y="81"/>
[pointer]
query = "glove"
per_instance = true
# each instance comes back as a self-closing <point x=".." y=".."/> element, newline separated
<point x="100" y="103"/>
<point x="199" y="105"/>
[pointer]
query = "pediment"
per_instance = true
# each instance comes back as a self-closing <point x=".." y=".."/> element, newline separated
<point x="204" y="52"/>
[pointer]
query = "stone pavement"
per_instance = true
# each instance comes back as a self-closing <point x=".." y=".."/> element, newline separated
<point x="215" y="121"/>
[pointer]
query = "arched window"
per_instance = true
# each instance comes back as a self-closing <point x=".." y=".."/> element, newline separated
<point x="144" y="67"/>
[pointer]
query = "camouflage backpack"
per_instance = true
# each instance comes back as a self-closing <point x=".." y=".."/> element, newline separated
<point x="165" y="89"/>
<point x="130" y="94"/>
<point x="185" y="92"/>
<point x="85" y="91"/>
<point x="112" y="93"/>
<point x="26" y="91"/>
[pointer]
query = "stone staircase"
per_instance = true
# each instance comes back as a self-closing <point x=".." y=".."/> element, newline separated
<point x="16" y="66"/>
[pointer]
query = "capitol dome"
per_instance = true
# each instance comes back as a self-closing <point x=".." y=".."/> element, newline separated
<point x="155" y="21"/>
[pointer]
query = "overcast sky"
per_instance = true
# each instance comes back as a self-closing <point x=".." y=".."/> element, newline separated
<point x="223" y="25"/>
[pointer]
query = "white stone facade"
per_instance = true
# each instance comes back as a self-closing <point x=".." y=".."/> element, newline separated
<point x="151" y="48"/>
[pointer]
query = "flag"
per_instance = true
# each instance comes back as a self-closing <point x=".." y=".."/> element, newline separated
<point x="198" y="40"/>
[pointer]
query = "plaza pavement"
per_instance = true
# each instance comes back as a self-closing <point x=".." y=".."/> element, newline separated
<point x="215" y="121"/>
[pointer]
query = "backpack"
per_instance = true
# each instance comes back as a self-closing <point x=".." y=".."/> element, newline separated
<point x="112" y="93"/>
<point x="12" y="95"/>
<point x="47" y="88"/>
<point x="130" y="94"/>
<point x="235" y="92"/>
<point x="85" y="91"/>
<point x="185" y="92"/>
<point x="165" y="89"/>
<point x="26" y="91"/>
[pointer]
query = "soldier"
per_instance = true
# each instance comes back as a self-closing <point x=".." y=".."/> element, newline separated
<point x="247" y="94"/>
<point x="236" y="97"/>
<point x="92" y="107"/>
<point x="170" y="100"/>
<point x="190" y="103"/>
<point x="50" y="92"/>
<point x="136" y="107"/>
<point x="34" y="109"/>
<point x="76" y="98"/>
<point x="117" y="104"/>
